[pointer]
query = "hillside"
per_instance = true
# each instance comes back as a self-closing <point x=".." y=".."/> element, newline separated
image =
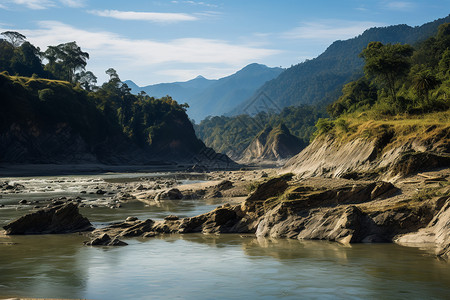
<point x="213" y="97"/>
<point x="383" y="149"/>
<point x="320" y="79"/>
<point x="50" y="121"/>
<point x="272" y="144"/>
<point x="232" y="135"/>
<point x="395" y="121"/>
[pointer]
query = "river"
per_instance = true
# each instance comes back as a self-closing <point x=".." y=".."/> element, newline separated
<point x="196" y="266"/>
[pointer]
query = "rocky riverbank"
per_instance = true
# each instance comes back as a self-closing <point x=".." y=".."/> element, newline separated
<point x="341" y="210"/>
<point x="413" y="210"/>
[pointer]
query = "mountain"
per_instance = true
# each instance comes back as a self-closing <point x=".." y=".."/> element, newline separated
<point x="321" y="79"/>
<point x="180" y="91"/>
<point x="273" y="144"/>
<point x="213" y="97"/>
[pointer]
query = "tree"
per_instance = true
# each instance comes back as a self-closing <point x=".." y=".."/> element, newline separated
<point x="87" y="80"/>
<point x="27" y="60"/>
<point x="424" y="82"/>
<point x="65" y="59"/>
<point x="359" y="94"/>
<point x="16" y="39"/>
<point x="387" y="63"/>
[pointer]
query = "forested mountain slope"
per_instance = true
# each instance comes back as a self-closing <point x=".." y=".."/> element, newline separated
<point x="321" y="79"/>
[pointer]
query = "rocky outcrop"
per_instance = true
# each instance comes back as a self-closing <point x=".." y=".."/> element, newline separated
<point x="63" y="218"/>
<point x="272" y="144"/>
<point x="279" y="209"/>
<point x="384" y="155"/>
<point x="105" y="240"/>
<point x="436" y="233"/>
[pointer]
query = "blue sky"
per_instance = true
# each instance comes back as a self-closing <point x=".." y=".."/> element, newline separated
<point x="165" y="41"/>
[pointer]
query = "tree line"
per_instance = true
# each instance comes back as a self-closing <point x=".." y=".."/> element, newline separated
<point x="63" y="62"/>
<point x="54" y="86"/>
<point x="400" y="79"/>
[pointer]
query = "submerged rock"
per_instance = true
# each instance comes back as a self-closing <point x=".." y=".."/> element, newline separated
<point x="50" y="220"/>
<point x="105" y="240"/>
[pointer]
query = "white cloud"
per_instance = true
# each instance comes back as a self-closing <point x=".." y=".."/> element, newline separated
<point x="35" y="4"/>
<point x="399" y="5"/>
<point x="144" y="16"/>
<point x="74" y="3"/>
<point x="45" y="4"/>
<point x="135" y="58"/>
<point x="199" y="3"/>
<point x="329" y="30"/>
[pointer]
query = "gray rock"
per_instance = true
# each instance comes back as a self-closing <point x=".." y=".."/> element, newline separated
<point x="105" y="240"/>
<point x="172" y="194"/>
<point x="53" y="220"/>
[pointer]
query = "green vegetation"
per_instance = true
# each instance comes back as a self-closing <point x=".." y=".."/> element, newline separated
<point x="231" y="135"/>
<point x="404" y="87"/>
<point x="320" y="80"/>
<point x="61" y="93"/>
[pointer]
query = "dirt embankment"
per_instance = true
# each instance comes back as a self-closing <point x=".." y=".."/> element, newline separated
<point x="381" y="151"/>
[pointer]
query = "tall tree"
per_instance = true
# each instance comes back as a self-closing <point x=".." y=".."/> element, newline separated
<point x="387" y="63"/>
<point x="15" y="38"/>
<point x="65" y="59"/>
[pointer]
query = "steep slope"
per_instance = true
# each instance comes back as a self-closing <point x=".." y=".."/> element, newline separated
<point x="383" y="149"/>
<point x="273" y="144"/>
<point x="213" y="97"/>
<point x="49" y="121"/>
<point x="321" y="78"/>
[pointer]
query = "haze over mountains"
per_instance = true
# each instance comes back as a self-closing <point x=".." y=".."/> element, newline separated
<point x="213" y="97"/>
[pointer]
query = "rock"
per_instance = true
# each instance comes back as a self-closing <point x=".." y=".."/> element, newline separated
<point x="105" y="240"/>
<point x="53" y="220"/>
<point x="273" y="187"/>
<point x="172" y="194"/>
<point x="131" y="219"/>
<point x="224" y="185"/>
<point x="436" y="232"/>
<point x="171" y="218"/>
<point x="57" y="202"/>
<point x="384" y="189"/>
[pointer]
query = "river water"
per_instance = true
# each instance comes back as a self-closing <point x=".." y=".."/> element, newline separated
<point x="199" y="266"/>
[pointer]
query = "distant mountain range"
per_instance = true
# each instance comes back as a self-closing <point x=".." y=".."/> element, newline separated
<point x="320" y="80"/>
<point x="212" y="97"/>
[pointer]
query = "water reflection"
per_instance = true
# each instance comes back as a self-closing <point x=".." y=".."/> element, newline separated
<point x="41" y="264"/>
<point x="216" y="267"/>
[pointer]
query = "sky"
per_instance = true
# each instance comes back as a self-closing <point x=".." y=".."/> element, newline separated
<point x="176" y="40"/>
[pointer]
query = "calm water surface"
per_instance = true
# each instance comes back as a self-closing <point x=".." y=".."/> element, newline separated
<point x="212" y="267"/>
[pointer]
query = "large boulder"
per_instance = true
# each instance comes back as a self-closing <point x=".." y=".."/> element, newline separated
<point x="172" y="194"/>
<point x="63" y="218"/>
